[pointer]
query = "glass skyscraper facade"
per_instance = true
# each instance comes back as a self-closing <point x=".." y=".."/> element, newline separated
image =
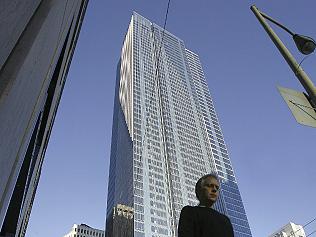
<point x="37" y="43"/>
<point x="166" y="134"/>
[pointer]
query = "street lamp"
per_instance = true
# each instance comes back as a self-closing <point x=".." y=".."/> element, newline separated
<point x="302" y="105"/>
<point x="306" y="45"/>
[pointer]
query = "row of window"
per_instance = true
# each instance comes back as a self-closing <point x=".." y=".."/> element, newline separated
<point x="84" y="232"/>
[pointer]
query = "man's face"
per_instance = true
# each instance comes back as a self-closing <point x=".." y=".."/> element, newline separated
<point x="210" y="187"/>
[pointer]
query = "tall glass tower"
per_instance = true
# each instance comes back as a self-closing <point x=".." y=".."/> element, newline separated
<point x="166" y="134"/>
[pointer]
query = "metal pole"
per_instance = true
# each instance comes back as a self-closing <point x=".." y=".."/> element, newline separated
<point x="296" y="68"/>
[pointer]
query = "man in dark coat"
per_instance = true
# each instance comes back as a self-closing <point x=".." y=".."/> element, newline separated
<point x="203" y="220"/>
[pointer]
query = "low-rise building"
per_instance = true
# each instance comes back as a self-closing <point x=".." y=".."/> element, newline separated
<point x="121" y="222"/>
<point x="84" y="230"/>
<point x="290" y="230"/>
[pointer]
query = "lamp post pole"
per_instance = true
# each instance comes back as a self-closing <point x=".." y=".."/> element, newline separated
<point x="296" y="68"/>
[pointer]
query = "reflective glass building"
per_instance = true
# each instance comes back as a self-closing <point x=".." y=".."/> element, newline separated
<point x="166" y="134"/>
<point x="37" y="42"/>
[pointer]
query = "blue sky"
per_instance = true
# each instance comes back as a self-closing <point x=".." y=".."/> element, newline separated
<point x="273" y="156"/>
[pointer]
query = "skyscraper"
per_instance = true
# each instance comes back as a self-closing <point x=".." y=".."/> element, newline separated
<point x="165" y="134"/>
<point x="37" y="41"/>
